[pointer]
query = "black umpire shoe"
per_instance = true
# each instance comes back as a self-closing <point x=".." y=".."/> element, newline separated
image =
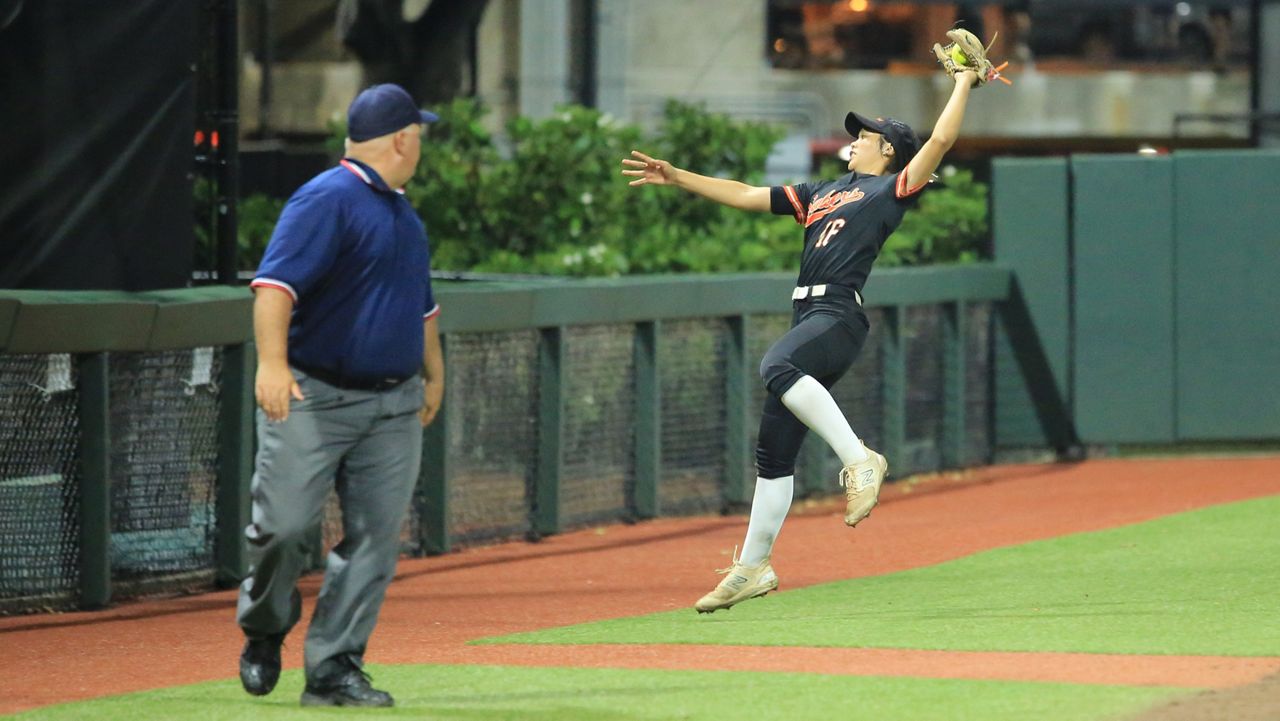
<point x="339" y="682"/>
<point x="260" y="664"/>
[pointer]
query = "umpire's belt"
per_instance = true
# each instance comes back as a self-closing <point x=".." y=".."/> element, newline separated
<point x="337" y="380"/>
<point x="804" y="292"/>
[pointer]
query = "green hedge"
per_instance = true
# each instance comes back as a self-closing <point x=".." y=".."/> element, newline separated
<point x="549" y="199"/>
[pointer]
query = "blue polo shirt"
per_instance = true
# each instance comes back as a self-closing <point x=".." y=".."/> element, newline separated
<point x="354" y="256"/>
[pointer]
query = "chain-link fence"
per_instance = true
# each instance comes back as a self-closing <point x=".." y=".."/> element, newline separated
<point x="163" y="459"/>
<point x="692" y="363"/>
<point x="492" y="434"/>
<point x="599" y="420"/>
<point x="171" y="523"/>
<point x="164" y="465"/>
<point x="39" y="482"/>
<point x="493" y="395"/>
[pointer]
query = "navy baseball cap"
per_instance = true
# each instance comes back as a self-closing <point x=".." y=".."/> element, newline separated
<point x="383" y="109"/>
<point x="904" y="140"/>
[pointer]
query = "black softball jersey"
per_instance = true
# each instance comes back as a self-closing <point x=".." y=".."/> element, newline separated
<point x="846" y="222"/>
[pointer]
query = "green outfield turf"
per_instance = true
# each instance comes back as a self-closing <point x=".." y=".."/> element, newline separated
<point x="1198" y="583"/>
<point x="488" y="693"/>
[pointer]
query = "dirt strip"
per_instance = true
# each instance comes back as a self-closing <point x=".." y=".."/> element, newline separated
<point x="1256" y="702"/>
<point x="1128" y="670"/>
<point x="438" y="604"/>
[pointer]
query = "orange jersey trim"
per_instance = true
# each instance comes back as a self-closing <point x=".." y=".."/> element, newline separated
<point x="900" y="189"/>
<point x="795" y="202"/>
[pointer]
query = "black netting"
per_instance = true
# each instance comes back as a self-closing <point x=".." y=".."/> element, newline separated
<point x="164" y="456"/>
<point x="39" y="482"/>
<point x="599" y="424"/>
<point x="977" y="385"/>
<point x="164" y="422"/>
<point x="492" y="412"/>
<point x="691" y="361"/>
<point x="922" y="335"/>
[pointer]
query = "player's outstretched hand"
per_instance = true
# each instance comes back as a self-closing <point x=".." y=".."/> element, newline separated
<point x="648" y="171"/>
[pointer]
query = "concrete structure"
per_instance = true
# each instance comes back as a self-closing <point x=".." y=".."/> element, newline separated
<point x="713" y="51"/>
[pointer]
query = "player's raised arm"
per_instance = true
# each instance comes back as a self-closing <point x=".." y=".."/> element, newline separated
<point x="652" y="171"/>
<point x="944" y="135"/>
<point x="965" y="60"/>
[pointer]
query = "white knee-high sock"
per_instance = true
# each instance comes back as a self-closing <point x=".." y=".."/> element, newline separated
<point x="768" y="510"/>
<point x="815" y="407"/>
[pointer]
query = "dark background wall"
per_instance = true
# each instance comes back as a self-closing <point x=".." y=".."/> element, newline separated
<point x="97" y="115"/>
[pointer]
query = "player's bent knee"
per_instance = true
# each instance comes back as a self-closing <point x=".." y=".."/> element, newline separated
<point x="774" y="461"/>
<point x="779" y="375"/>
<point x="773" y="469"/>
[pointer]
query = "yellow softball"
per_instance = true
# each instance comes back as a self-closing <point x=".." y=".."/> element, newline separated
<point x="958" y="56"/>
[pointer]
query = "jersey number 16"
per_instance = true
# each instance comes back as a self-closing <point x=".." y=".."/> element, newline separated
<point x="829" y="232"/>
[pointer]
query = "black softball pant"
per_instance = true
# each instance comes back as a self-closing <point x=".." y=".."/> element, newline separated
<point x="822" y="344"/>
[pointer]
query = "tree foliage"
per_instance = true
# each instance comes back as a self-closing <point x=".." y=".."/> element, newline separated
<point x="548" y="198"/>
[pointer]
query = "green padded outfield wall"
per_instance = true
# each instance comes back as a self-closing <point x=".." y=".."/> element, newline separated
<point x="1030" y="231"/>
<point x="1123" y="362"/>
<point x="1227" y="234"/>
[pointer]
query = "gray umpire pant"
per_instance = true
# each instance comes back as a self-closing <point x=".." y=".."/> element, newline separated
<point x="367" y="444"/>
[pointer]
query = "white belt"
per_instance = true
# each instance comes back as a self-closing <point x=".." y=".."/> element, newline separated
<point x="817" y="291"/>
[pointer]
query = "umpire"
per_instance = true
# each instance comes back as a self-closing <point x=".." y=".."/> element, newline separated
<point x="349" y="371"/>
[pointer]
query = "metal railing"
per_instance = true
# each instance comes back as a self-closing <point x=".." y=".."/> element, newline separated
<point x="567" y="404"/>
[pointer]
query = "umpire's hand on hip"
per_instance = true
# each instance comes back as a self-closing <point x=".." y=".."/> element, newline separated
<point x="274" y="386"/>
<point x="432" y="397"/>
